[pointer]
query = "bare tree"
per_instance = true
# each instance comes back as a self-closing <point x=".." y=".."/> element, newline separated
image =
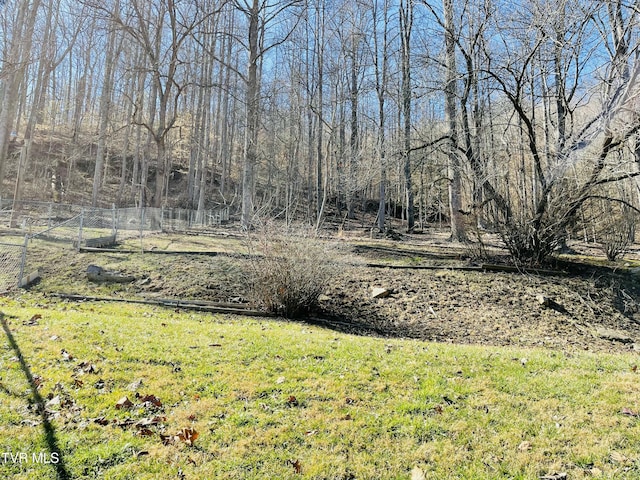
<point x="14" y="68"/>
<point x="258" y="15"/>
<point x="381" y="66"/>
<point x="450" y="91"/>
<point x="405" y="16"/>
<point x="105" y="108"/>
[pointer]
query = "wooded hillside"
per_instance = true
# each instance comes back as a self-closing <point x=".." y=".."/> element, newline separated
<point x="520" y="117"/>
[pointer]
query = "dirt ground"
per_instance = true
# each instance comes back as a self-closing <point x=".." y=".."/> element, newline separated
<point x="586" y="299"/>
<point x="438" y="301"/>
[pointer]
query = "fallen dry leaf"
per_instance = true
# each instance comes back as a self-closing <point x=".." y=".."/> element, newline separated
<point x="555" y="476"/>
<point x="618" y="457"/>
<point x="144" y="432"/>
<point x="628" y="411"/>
<point x="152" y="399"/>
<point x="524" y="446"/>
<point x="634" y="368"/>
<point x="101" y="421"/>
<point x="292" y="401"/>
<point x="33" y="320"/>
<point x="123" y="403"/>
<point x="66" y="356"/>
<point x="86" y="367"/>
<point x="37" y="380"/>
<point x="145" y="422"/>
<point x="126" y="423"/>
<point x="188" y="435"/>
<point x="297" y="467"/>
<point x="417" y="474"/>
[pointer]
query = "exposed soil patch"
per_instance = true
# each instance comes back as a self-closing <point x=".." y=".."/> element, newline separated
<point x="494" y="308"/>
<point x="440" y="304"/>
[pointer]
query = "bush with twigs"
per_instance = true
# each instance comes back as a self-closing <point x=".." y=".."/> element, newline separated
<point x="617" y="233"/>
<point x="289" y="270"/>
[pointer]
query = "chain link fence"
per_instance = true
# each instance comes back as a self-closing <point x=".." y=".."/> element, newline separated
<point x="12" y="259"/>
<point x="35" y="215"/>
<point x="47" y="224"/>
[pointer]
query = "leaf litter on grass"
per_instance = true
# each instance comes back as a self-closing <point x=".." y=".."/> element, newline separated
<point x="423" y="401"/>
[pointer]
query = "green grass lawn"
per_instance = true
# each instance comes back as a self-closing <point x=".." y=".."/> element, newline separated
<point x="233" y="397"/>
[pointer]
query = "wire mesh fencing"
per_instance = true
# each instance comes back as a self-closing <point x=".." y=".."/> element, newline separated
<point x="11" y="265"/>
<point x="48" y="226"/>
<point x="32" y="216"/>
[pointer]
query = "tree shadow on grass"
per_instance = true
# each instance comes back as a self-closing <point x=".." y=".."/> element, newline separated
<point x="49" y="431"/>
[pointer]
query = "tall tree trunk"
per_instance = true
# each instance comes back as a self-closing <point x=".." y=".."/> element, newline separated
<point x="354" y="140"/>
<point x="105" y="107"/>
<point x="381" y="70"/>
<point x="406" y="25"/>
<point x="252" y="112"/>
<point x="14" y="71"/>
<point x="320" y="99"/>
<point x="455" y="181"/>
<point x="225" y="150"/>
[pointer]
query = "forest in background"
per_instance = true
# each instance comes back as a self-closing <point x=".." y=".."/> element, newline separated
<point x="519" y="117"/>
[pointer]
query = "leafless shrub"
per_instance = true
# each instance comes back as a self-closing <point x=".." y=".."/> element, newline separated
<point x="475" y="247"/>
<point x="289" y="269"/>
<point x="617" y="233"/>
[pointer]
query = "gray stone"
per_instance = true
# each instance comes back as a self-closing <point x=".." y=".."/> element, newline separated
<point x="543" y="300"/>
<point x="381" y="292"/>
<point x="94" y="270"/>
<point x="613" y="335"/>
<point x="98" y="274"/>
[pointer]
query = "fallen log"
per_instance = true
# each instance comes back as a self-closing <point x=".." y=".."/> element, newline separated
<point x="98" y="242"/>
<point x="170" y="303"/>
<point x="425" y="267"/>
<point x="513" y="269"/>
<point x="485" y="267"/>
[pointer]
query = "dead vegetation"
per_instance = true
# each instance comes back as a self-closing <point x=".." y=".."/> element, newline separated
<point x="288" y="271"/>
<point x="446" y="297"/>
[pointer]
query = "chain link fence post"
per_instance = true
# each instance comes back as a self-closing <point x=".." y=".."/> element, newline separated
<point x="142" y="220"/>
<point x="80" y="229"/>
<point x="23" y="261"/>
<point x="114" y="221"/>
